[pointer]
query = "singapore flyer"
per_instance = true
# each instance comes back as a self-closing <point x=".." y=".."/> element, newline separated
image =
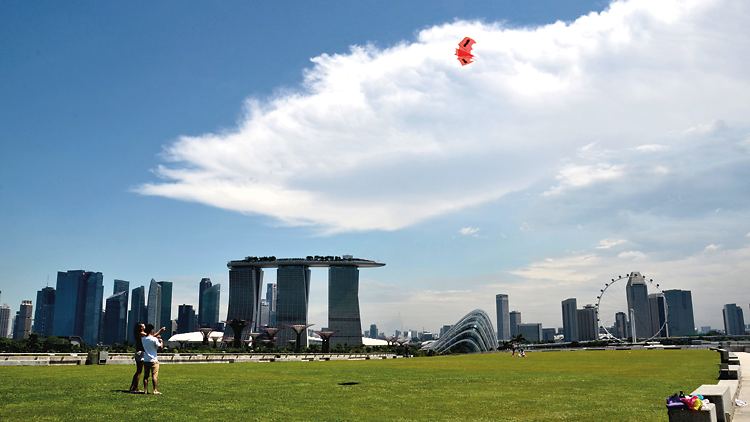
<point x="631" y="308"/>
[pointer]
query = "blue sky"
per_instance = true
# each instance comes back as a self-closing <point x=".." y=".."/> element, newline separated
<point x="586" y="141"/>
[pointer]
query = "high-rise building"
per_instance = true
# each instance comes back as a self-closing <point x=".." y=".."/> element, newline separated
<point x="515" y="319"/>
<point x="531" y="331"/>
<point x="588" y="327"/>
<point x="658" y="305"/>
<point x="293" y="290"/>
<point x="444" y="329"/>
<point x="271" y="298"/>
<point x="4" y="320"/>
<point x="116" y="314"/>
<point x="211" y="301"/>
<point x="165" y="310"/>
<point x="343" y="305"/>
<point x="245" y="288"/>
<point x="638" y="306"/>
<point x="679" y="313"/>
<point x="137" y="311"/>
<point x="78" y="305"/>
<point x="204" y="284"/>
<point x="265" y="313"/>
<point x="503" y="317"/>
<point x="153" y="308"/>
<point x="734" y="322"/>
<point x="621" y="329"/>
<point x="570" y="319"/>
<point x="185" y="319"/>
<point x="373" y="331"/>
<point x="45" y="312"/>
<point x="22" y="323"/>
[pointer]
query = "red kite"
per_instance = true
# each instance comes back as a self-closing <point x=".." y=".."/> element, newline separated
<point x="464" y="51"/>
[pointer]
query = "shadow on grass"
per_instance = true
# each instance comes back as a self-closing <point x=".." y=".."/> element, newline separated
<point x="124" y="391"/>
<point x="348" y="383"/>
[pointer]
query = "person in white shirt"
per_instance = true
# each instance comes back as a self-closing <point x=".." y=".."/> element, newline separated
<point x="151" y="345"/>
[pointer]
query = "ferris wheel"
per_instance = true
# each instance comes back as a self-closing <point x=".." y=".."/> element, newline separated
<point x="632" y="307"/>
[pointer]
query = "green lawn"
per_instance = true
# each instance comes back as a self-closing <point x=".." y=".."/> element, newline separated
<point x="574" y="386"/>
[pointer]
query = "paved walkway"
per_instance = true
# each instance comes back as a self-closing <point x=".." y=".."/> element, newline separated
<point x="742" y="413"/>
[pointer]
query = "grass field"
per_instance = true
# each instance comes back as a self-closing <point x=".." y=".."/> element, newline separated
<point x="573" y="386"/>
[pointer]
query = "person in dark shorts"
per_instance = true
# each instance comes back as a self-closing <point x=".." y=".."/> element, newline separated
<point x="138" y="334"/>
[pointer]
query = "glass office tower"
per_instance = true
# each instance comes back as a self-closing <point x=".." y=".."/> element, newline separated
<point x="245" y="286"/>
<point x="293" y="292"/>
<point x="45" y="312"/>
<point x="503" y="317"/>
<point x="78" y="305"/>
<point x="137" y="310"/>
<point x="570" y="319"/>
<point x="679" y="312"/>
<point x="637" y="296"/>
<point x="343" y="305"/>
<point x="165" y="310"/>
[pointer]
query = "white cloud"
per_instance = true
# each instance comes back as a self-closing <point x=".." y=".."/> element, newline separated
<point x="609" y="242"/>
<point x="711" y="248"/>
<point x="634" y="255"/>
<point x="383" y="139"/>
<point x="575" y="176"/>
<point x="651" y="148"/>
<point x="468" y="230"/>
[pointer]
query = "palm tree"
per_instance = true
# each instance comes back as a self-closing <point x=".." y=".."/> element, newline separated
<point x="519" y="338"/>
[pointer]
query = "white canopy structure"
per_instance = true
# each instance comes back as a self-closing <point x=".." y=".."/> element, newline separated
<point x="194" y="337"/>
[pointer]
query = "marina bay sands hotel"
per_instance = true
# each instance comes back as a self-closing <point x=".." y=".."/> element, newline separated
<point x="293" y="292"/>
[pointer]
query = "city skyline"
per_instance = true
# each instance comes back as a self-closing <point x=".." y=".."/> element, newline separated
<point x="587" y="140"/>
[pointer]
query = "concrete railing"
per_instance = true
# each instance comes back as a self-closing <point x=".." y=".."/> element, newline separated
<point x="46" y="359"/>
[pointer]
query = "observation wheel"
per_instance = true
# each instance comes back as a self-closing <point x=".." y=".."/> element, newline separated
<point x="631" y="303"/>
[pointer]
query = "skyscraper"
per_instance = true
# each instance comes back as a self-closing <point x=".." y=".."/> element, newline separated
<point x="658" y="306"/>
<point x="734" y="322"/>
<point x="185" y="319"/>
<point x="343" y="305"/>
<point x="588" y="327"/>
<point x="45" y="312"/>
<point x="166" y="308"/>
<point x="679" y="312"/>
<point x="621" y="328"/>
<point x="373" y="331"/>
<point x="153" y="308"/>
<point x="637" y="297"/>
<point x="78" y="305"/>
<point x="116" y="314"/>
<point x="245" y="288"/>
<point x="22" y="323"/>
<point x="114" y="318"/>
<point x="204" y="284"/>
<point x="4" y="320"/>
<point x="503" y="317"/>
<point x="271" y="298"/>
<point x="265" y="313"/>
<point x="293" y="290"/>
<point x="137" y="311"/>
<point x="531" y="331"/>
<point x="210" y="311"/>
<point x="515" y="319"/>
<point x="570" y="319"/>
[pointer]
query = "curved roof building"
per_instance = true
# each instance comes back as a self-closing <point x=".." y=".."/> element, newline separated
<point x="474" y="331"/>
